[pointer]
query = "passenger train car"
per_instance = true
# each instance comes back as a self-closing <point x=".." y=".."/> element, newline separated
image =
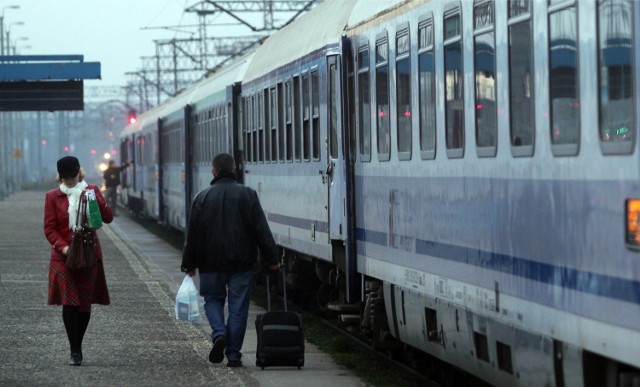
<point x="170" y="145"/>
<point x="461" y="177"/>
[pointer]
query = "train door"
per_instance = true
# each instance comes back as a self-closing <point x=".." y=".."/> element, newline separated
<point x="336" y="164"/>
<point x="339" y="179"/>
<point x="159" y="171"/>
<point x="188" y="172"/>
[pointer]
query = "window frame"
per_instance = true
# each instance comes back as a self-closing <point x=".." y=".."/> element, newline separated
<point x="570" y="149"/>
<point x="382" y="39"/>
<point x="363" y="72"/>
<point x="618" y="147"/>
<point x="453" y="11"/>
<point x="427" y="22"/>
<point x="490" y="150"/>
<point x="403" y="30"/>
<point x="523" y="17"/>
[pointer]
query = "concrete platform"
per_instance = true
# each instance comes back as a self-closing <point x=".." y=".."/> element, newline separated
<point x="135" y="341"/>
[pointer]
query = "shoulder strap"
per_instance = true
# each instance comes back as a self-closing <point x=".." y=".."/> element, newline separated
<point x="82" y="210"/>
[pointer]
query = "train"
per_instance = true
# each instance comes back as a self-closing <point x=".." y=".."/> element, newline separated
<point x="456" y="179"/>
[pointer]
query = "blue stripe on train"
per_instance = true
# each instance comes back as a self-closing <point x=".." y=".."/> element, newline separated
<point x="579" y="280"/>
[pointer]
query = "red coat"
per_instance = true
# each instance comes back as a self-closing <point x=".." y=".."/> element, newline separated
<point x="56" y="221"/>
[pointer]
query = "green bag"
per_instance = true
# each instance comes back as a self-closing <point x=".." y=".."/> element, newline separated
<point x="94" y="218"/>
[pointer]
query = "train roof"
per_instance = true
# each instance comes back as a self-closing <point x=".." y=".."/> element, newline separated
<point x="217" y="82"/>
<point x="321" y="26"/>
<point x="368" y="12"/>
<point x="162" y="110"/>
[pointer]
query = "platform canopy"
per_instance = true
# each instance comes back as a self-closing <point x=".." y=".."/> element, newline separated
<point x="44" y="82"/>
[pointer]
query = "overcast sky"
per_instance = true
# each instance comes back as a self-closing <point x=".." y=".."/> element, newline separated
<point x="115" y="33"/>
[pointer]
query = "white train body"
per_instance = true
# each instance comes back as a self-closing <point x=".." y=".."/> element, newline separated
<point x="475" y="161"/>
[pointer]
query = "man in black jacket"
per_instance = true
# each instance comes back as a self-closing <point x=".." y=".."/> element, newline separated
<point x="226" y="228"/>
<point x="111" y="177"/>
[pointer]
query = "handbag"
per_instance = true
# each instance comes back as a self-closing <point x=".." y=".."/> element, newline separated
<point x="81" y="254"/>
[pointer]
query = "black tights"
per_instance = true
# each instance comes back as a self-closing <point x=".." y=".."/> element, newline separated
<point x="75" y="323"/>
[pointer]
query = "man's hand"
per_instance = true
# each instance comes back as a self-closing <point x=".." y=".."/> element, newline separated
<point x="274" y="267"/>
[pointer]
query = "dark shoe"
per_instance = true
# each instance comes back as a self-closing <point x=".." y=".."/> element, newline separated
<point x="217" y="352"/>
<point x="234" y="363"/>
<point x="75" y="359"/>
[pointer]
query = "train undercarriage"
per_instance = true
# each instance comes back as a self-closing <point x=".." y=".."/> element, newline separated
<point x="318" y="287"/>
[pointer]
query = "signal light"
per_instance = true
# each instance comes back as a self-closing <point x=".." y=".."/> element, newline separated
<point x="632" y="236"/>
<point x="132" y="117"/>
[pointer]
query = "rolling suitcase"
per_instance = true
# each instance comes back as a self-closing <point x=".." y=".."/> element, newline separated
<point x="280" y="336"/>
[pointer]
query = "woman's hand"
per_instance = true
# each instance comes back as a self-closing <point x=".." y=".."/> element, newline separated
<point x="65" y="250"/>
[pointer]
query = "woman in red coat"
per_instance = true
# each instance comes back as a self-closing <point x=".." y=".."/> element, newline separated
<point x="74" y="290"/>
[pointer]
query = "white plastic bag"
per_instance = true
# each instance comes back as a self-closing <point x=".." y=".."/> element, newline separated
<point x="187" y="308"/>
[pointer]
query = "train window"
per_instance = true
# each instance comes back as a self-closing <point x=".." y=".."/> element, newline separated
<point x="403" y="94"/>
<point x="142" y="150"/>
<point x="217" y="142"/>
<point x="315" y="105"/>
<point x="485" y="79"/>
<point x="616" y="83"/>
<point x="254" y="125"/>
<point x="264" y="143"/>
<point x="195" y="138"/>
<point x="306" y="117"/>
<point x="202" y="144"/>
<point x="382" y="99"/>
<point x="521" y="86"/>
<point x="201" y="136"/>
<point x="333" y="111"/>
<point x="288" y="119"/>
<point x="454" y="88"/>
<point x="364" y="104"/>
<point x="265" y="123"/>
<point x="149" y="149"/>
<point x="427" y="90"/>
<point x="564" y="81"/>
<point x="280" y="121"/>
<point x="247" y="127"/>
<point x="351" y="107"/>
<point x="245" y="138"/>
<point x="272" y="141"/>
<point x="224" y="139"/>
<point x="297" y="117"/>
<point x="208" y="134"/>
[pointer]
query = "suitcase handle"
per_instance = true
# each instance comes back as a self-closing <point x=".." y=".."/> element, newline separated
<point x="284" y="286"/>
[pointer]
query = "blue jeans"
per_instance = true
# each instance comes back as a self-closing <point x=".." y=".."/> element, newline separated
<point x="215" y="287"/>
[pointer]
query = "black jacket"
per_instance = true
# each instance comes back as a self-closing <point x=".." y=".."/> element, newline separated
<point x="226" y="228"/>
<point x="111" y="175"/>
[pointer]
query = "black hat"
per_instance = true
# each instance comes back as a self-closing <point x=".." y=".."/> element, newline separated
<point x="68" y="166"/>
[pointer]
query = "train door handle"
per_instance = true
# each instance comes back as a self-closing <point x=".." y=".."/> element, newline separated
<point x="329" y="169"/>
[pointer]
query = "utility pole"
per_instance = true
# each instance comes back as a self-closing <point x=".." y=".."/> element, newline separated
<point x="179" y="62"/>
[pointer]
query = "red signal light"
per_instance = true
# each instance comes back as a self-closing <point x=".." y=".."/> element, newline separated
<point x="132" y="116"/>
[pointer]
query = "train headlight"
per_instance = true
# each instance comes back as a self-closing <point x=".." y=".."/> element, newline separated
<point x="632" y="227"/>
